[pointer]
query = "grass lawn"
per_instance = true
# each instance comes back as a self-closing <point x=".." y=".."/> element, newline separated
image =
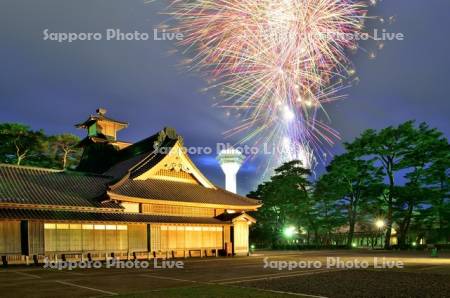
<point x="216" y="291"/>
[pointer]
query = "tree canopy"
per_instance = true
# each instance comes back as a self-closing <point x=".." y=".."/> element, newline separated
<point x="397" y="174"/>
<point x="21" y="145"/>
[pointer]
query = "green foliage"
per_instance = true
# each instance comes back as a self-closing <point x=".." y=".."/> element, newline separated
<point x="63" y="149"/>
<point x="404" y="150"/>
<point x="350" y="184"/>
<point x="19" y="144"/>
<point x="398" y="173"/>
<point x="22" y="146"/>
<point x="287" y="201"/>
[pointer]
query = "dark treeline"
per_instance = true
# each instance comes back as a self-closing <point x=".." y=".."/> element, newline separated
<point x="399" y="175"/>
<point x="21" y="145"/>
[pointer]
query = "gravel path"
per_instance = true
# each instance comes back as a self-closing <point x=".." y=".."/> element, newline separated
<point x="362" y="283"/>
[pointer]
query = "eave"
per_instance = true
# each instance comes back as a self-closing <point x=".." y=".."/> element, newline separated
<point x="117" y="197"/>
<point x="60" y="208"/>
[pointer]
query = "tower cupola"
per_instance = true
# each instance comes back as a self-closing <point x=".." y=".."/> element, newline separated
<point x="102" y="127"/>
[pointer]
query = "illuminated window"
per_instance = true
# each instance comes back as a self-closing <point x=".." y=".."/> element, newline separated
<point x="62" y="226"/>
<point x="49" y="226"/>
<point x="88" y="227"/>
<point x="75" y="237"/>
<point x="99" y="227"/>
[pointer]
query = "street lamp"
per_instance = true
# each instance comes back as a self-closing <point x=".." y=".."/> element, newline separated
<point x="290" y="231"/>
<point x="380" y="223"/>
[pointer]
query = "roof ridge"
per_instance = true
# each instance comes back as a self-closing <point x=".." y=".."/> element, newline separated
<point x="69" y="172"/>
<point x="141" y="163"/>
<point x="30" y="167"/>
<point x="81" y="173"/>
<point x="151" y="156"/>
<point x="115" y="184"/>
<point x="127" y="175"/>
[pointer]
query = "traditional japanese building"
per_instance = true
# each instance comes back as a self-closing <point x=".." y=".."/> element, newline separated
<point x="128" y="200"/>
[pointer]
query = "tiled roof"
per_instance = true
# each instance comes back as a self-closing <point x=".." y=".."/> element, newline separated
<point x="96" y="117"/>
<point x="53" y="215"/>
<point x="37" y="186"/>
<point x="167" y="190"/>
<point x="120" y="162"/>
<point x="28" y="185"/>
<point x="135" y="165"/>
<point x="150" y="161"/>
<point x="121" y="169"/>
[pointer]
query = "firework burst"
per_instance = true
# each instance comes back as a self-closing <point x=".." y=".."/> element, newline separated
<point x="275" y="61"/>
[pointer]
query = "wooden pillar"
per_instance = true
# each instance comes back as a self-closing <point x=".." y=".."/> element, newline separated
<point x="149" y="243"/>
<point x="25" y="248"/>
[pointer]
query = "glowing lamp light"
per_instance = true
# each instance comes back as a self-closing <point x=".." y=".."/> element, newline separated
<point x="414" y="244"/>
<point x="290" y="231"/>
<point x="380" y="223"/>
<point x="353" y="244"/>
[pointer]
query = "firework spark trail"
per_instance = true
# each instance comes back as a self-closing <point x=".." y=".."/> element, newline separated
<point x="277" y="61"/>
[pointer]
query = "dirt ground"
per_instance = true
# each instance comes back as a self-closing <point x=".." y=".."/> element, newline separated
<point x="264" y="274"/>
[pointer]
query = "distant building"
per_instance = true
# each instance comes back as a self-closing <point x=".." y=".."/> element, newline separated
<point x="230" y="161"/>
<point x="128" y="200"/>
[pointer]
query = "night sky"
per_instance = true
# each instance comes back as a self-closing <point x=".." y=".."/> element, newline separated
<point x="52" y="85"/>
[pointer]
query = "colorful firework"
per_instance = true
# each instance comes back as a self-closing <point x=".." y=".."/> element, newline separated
<point x="277" y="62"/>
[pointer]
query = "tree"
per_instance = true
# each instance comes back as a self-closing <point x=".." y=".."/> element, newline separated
<point x="286" y="200"/>
<point x="328" y="212"/>
<point x="401" y="173"/>
<point x="291" y="180"/>
<point x="414" y="194"/>
<point x="407" y="207"/>
<point x="20" y="144"/>
<point x="396" y="150"/>
<point x="271" y="217"/>
<point x="388" y="147"/>
<point x="64" y="150"/>
<point x="436" y="178"/>
<point x="351" y="183"/>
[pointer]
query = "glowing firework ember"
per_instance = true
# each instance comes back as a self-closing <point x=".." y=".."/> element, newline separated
<point x="276" y="61"/>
